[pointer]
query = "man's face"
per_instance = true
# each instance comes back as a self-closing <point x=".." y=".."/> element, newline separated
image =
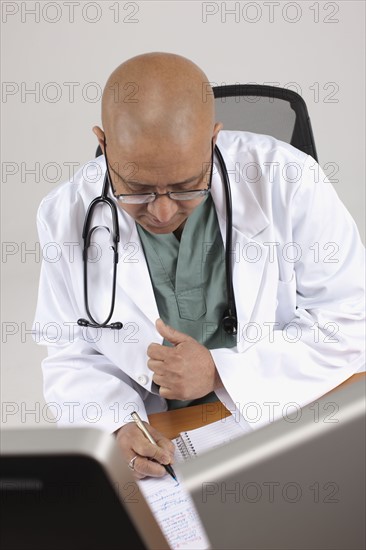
<point x="153" y="169"/>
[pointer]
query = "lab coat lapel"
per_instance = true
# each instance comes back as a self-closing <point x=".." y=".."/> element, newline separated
<point x="249" y="256"/>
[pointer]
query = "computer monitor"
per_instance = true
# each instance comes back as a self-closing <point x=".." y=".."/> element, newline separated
<point x="69" y="489"/>
<point x="298" y="483"/>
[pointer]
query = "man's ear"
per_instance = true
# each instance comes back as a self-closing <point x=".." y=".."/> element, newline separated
<point x="100" y="136"/>
<point x="217" y="128"/>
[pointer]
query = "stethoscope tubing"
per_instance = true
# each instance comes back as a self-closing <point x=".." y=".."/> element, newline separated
<point x="229" y="319"/>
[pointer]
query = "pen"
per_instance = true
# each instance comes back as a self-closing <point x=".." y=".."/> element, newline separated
<point x="140" y="425"/>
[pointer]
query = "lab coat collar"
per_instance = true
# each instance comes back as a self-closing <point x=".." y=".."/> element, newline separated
<point x="249" y="256"/>
<point x="247" y="214"/>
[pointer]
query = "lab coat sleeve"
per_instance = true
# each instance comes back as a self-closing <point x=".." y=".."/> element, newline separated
<point x="323" y="343"/>
<point x="74" y="371"/>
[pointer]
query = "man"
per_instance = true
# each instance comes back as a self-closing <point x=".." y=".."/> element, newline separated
<point x="297" y="269"/>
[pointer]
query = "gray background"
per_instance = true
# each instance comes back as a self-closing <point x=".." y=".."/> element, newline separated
<point x="66" y="52"/>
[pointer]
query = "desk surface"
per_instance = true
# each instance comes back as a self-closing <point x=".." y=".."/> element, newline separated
<point x="171" y="423"/>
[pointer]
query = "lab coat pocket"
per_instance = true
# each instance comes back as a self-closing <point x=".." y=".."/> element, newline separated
<point x="191" y="303"/>
<point x="286" y="301"/>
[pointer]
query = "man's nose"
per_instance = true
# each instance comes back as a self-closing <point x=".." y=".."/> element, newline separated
<point x="163" y="208"/>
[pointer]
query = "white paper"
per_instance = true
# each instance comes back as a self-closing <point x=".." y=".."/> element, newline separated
<point x="171" y="504"/>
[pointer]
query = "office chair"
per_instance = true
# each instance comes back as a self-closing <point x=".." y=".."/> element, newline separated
<point x="269" y="110"/>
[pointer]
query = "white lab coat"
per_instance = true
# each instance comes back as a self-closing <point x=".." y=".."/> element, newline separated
<point x="298" y="275"/>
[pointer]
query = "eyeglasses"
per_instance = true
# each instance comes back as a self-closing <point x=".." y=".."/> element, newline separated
<point x="145" y="198"/>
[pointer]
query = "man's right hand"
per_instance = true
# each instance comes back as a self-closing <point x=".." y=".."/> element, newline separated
<point x="150" y="457"/>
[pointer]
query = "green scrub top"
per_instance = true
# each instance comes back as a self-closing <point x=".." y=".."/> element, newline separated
<point x="189" y="282"/>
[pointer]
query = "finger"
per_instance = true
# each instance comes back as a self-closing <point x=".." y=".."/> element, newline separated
<point x="133" y="442"/>
<point x="156" y="366"/>
<point x="164" y="381"/>
<point x="143" y="448"/>
<point x="166" y="392"/>
<point x="157" y="351"/>
<point x="173" y="336"/>
<point x="158" y="379"/>
<point x="136" y="475"/>
<point x="144" y="467"/>
<point x="162" y="440"/>
<point x="168" y="445"/>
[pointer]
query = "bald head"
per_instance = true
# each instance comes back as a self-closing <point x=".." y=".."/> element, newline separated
<point x="159" y="129"/>
<point x="158" y="98"/>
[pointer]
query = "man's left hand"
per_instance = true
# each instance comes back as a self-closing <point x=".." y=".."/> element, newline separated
<point x="184" y="371"/>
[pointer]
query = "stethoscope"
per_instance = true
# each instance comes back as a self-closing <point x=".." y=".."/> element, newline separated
<point x="229" y="319"/>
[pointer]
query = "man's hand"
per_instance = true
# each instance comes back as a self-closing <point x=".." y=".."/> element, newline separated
<point x="133" y="443"/>
<point x="185" y="371"/>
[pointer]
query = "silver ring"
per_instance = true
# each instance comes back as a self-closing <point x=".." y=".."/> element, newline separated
<point x="132" y="462"/>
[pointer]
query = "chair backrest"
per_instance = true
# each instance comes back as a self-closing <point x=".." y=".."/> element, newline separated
<point x="277" y="112"/>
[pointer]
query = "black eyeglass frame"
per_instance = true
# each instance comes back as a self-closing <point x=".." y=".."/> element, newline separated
<point x="196" y="193"/>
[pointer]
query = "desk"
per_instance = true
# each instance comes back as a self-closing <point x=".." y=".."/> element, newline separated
<point x="171" y="423"/>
